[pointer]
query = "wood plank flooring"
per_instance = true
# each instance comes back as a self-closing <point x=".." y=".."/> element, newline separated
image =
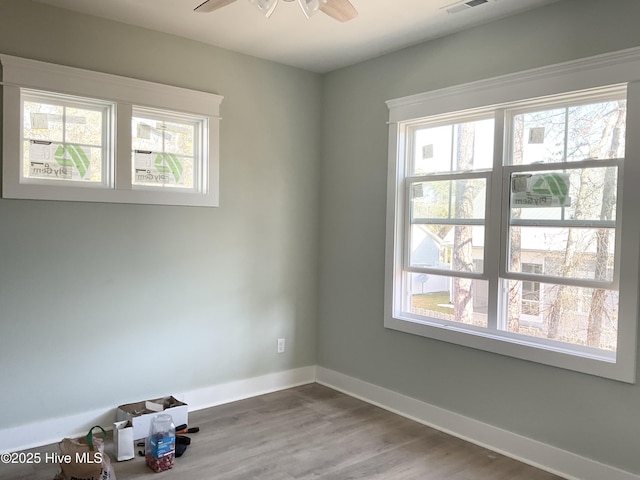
<point x="313" y="432"/>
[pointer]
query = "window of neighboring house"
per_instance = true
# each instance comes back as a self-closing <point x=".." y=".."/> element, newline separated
<point x="505" y="190"/>
<point x="531" y="291"/>
<point x="71" y="134"/>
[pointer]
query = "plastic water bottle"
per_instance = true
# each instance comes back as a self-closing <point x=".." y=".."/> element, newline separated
<point x="160" y="447"/>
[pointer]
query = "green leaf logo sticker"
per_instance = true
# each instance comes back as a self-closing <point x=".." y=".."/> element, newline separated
<point x="552" y="184"/>
<point x="72" y="156"/>
<point x="167" y="162"/>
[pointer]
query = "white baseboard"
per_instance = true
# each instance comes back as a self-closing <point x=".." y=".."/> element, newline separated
<point x="53" y="430"/>
<point x="246" y="388"/>
<point x="532" y="452"/>
<point x="555" y="460"/>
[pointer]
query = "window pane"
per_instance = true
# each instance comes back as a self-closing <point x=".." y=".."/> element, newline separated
<point x="579" y="316"/>
<point x="163" y="136"/>
<point x="538" y="137"/>
<point x="164" y="170"/>
<point x="453" y="299"/>
<point x="574" y="133"/>
<point x="580" y="253"/>
<point x="179" y="138"/>
<point x="145" y="135"/>
<point x="42" y="121"/>
<point x="57" y="161"/>
<point x="450" y="247"/>
<point x="587" y="194"/>
<point x="83" y="126"/>
<point x="449" y="199"/>
<point x="597" y="131"/>
<point x="453" y="148"/>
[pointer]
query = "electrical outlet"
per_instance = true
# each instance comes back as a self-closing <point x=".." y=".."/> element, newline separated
<point x="280" y="345"/>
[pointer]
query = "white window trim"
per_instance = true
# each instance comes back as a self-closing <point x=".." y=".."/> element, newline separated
<point x="602" y="70"/>
<point x="125" y="92"/>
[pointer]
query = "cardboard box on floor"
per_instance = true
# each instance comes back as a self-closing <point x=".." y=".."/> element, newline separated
<point x="140" y="414"/>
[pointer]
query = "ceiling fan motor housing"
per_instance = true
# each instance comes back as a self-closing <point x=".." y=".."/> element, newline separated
<point x="340" y="10"/>
<point x="266" y="7"/>
<point x="309" y="7"/>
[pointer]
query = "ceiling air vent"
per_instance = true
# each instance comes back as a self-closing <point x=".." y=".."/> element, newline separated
<point x="461" y="6"/>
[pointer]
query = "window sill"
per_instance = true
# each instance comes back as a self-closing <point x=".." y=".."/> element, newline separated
<point x="557" y="354"/>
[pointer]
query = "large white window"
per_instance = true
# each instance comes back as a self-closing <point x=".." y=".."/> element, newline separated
<point x="71" y="134"/>
<point x="512" y="226"/>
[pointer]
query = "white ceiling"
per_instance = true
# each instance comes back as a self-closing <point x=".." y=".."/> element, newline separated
<point x="319" y="44"/>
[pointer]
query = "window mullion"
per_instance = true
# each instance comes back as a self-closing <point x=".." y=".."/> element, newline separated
<point x="64" y="126"/>
<point x="493" y="241"/>
<point x="123" y="152"/>
<point x="448" y="221"/>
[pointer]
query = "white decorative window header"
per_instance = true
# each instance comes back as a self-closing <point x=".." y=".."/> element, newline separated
<point x="76" y="135"/>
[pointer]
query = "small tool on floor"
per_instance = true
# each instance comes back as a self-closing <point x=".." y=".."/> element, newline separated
<point x="181" y="429"/>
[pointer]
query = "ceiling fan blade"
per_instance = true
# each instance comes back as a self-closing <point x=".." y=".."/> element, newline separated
<point x="211" y="5"/>
<point x="341" y="10"/>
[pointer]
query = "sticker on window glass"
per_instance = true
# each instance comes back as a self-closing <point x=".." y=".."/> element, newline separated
<point x="427" y="151"/>
<point x="54" y="160"/>
<point x="144" y="131"/>
<point x="540" y="190"/>
<point x="157" y="168"/>
<point x="536" y="135"/>
<point x="39" y="121"/>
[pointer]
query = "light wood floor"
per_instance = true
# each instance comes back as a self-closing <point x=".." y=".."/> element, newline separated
<point x="313" y="432"/>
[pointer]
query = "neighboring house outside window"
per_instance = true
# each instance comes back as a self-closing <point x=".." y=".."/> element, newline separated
<point x="531" y="291"/>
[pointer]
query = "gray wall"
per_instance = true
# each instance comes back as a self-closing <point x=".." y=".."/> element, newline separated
<point x="95" y="309"/>
<point x="82" y="286"/>
<point x="587" y="415"/>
